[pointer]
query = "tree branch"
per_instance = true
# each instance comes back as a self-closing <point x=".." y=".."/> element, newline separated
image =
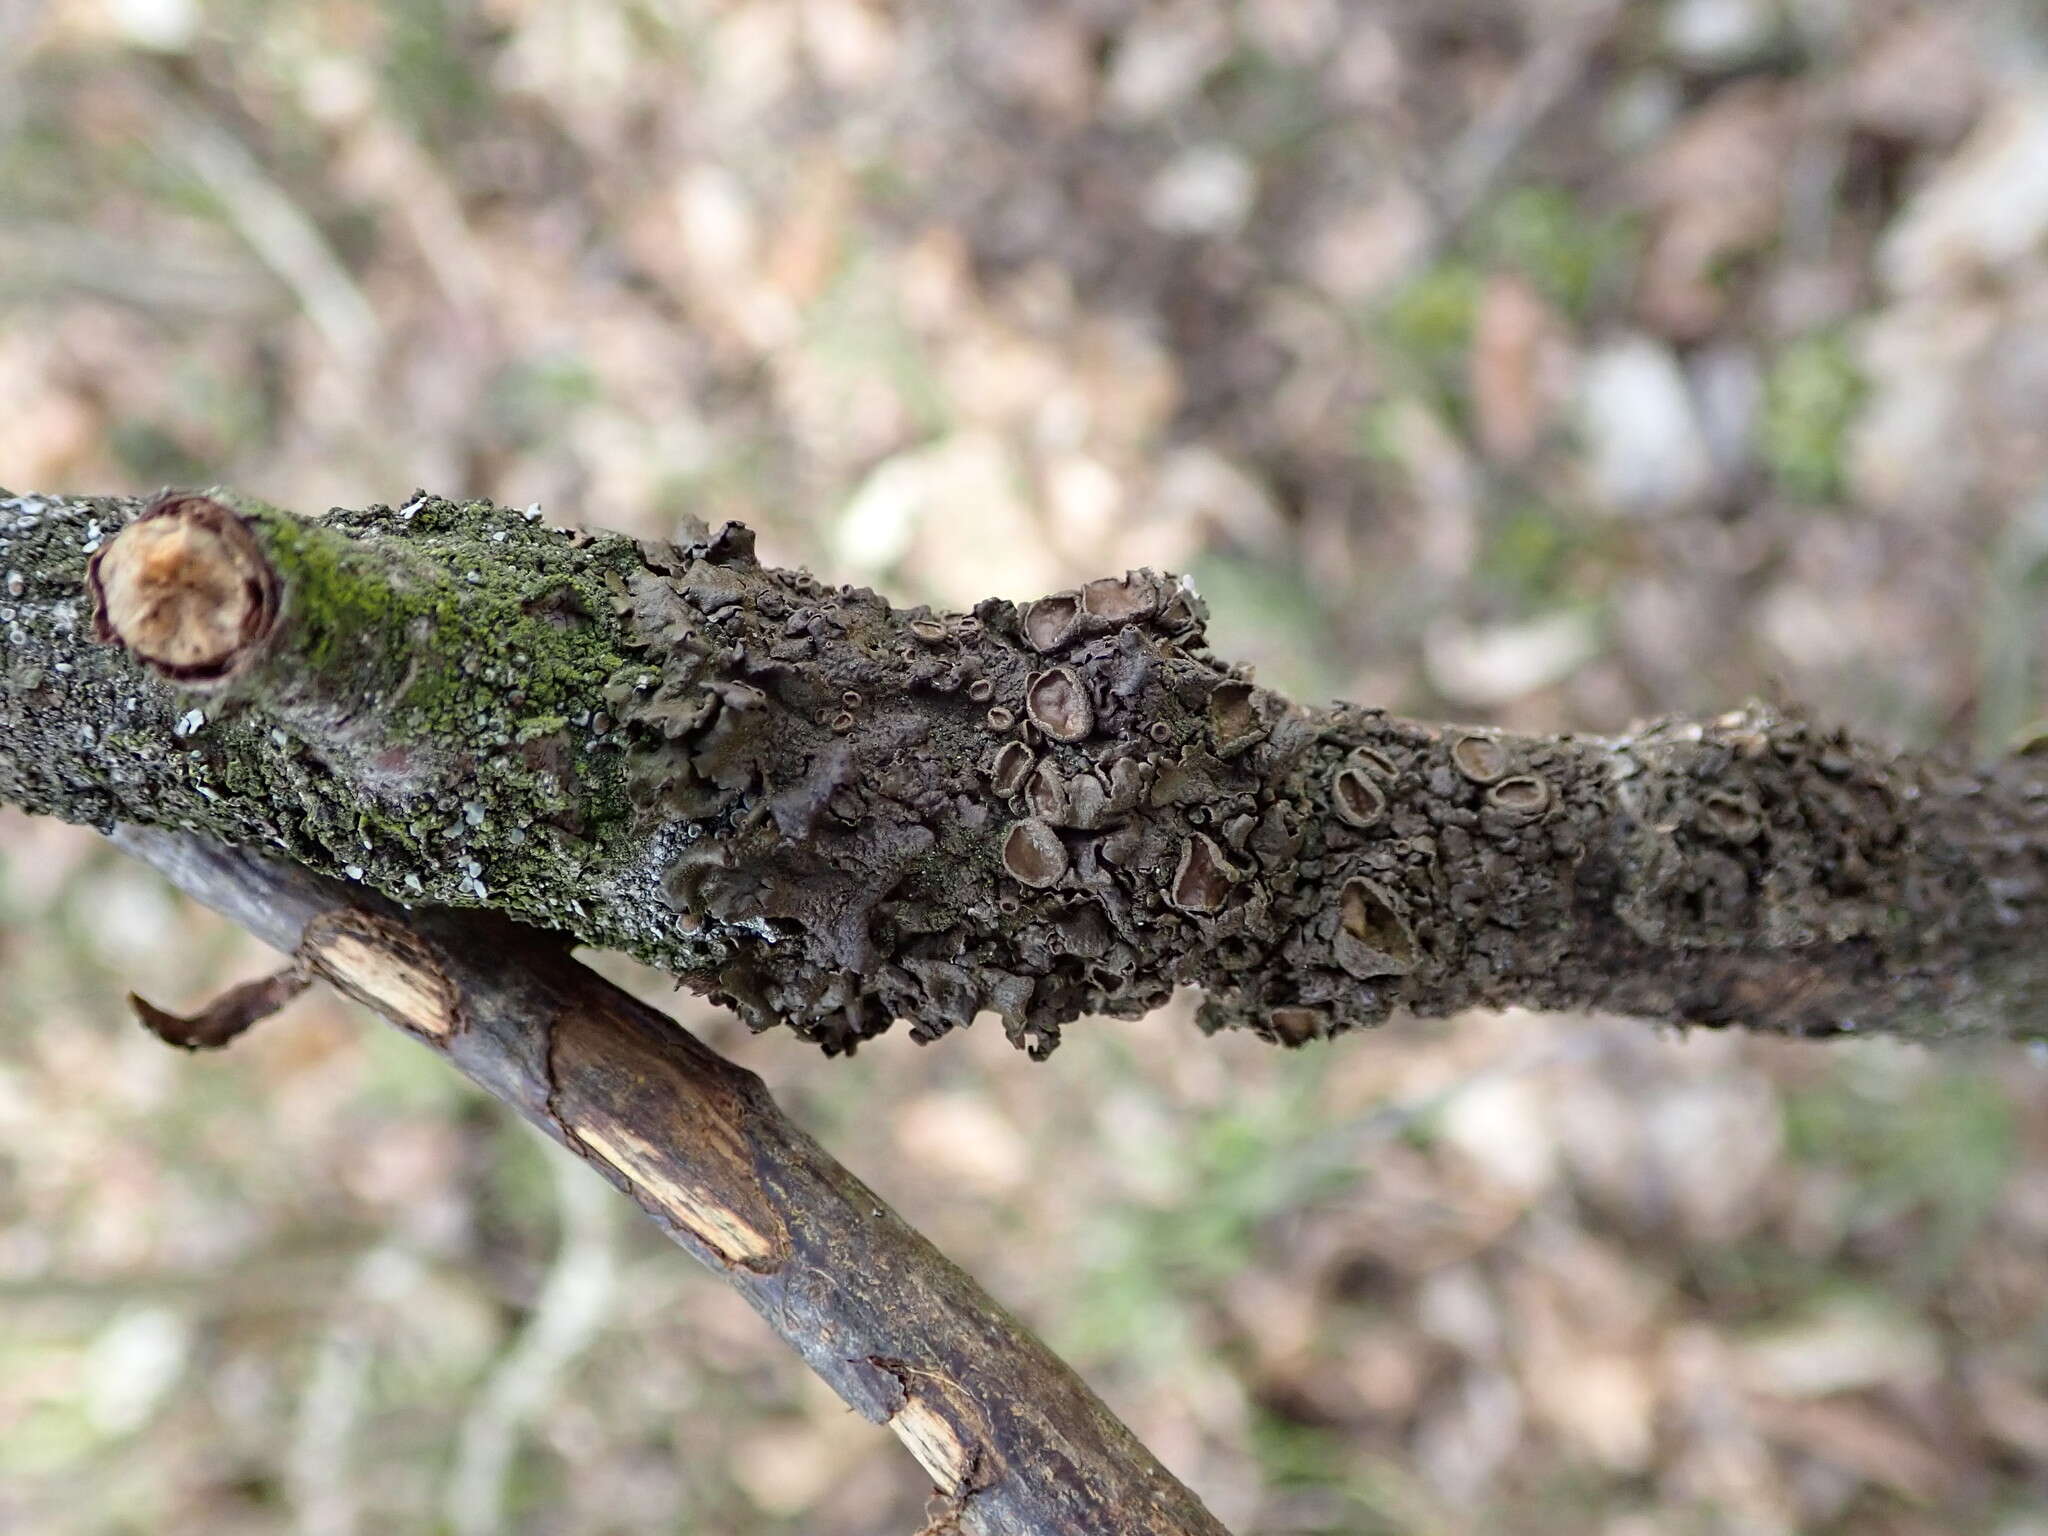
<point x="1012" y="1438"/>
<point x="833" y="814"/>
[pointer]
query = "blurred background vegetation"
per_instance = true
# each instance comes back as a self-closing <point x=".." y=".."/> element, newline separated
<point x="1547" y="362"/>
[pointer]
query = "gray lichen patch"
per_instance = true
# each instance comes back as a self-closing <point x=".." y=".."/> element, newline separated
<point x="1758" y="827"/>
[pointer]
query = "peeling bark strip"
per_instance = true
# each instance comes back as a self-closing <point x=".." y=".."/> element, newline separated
<point x="1011" y="1437"/>
<point x="833" y="814"/>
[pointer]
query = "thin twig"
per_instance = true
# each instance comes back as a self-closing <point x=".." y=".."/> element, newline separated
<point x="277" y="229"/>
<point x="1014" y="1441"/>
<point x="569" y="1314"/>
<point x="1545" y="78"/>
<point x="321" y="1477"/>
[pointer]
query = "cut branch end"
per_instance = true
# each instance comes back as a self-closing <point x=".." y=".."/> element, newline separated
<point x="187" y="588"/>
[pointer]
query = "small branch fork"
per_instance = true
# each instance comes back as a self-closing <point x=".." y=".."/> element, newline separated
<point x="1013" y="1440"/>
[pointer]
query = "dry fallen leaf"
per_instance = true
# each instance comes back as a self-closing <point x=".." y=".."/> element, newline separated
<point x="1716" y="189"/>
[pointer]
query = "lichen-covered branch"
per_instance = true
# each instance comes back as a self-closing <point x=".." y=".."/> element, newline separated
<point x="834" y="814"/>
<point x="1014" y="1441"/>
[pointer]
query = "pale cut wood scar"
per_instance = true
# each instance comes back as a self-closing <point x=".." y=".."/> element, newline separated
<point x="385" y="967"/>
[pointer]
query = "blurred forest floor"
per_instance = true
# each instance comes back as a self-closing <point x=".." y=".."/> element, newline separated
<point x="1546" y="362"/>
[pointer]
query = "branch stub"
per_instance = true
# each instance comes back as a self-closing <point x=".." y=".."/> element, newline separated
<point x="186" y="588"/>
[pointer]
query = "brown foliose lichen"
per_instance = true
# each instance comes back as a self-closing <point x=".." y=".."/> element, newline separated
<point x="1143" y="831"/>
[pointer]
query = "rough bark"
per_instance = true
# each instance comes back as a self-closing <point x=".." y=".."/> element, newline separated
<point x="833" y="814"/>
<point x="1014" y="1441"/>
